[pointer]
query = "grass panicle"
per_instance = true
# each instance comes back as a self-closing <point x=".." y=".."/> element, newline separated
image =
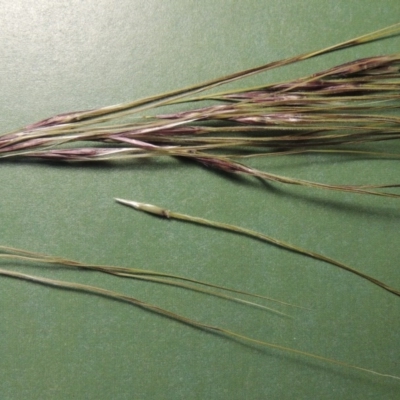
<point x="336" y="110"/>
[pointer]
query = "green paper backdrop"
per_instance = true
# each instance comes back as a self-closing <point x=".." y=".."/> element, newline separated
<point x="72" y="55"/>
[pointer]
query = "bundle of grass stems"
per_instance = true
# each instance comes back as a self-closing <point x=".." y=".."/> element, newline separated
<point x="327" y="112"/>
<point x="334" y="111"/>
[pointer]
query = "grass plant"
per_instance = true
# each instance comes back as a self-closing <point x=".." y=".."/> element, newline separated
<point x="338" y="110"/>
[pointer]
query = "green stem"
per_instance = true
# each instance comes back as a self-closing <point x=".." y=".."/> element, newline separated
<point x="180" y="318"/>
<point x="162" y="212"/>
<point x="140" y="274"/>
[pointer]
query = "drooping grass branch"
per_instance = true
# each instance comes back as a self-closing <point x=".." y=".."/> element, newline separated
<point x="162" y="212"/>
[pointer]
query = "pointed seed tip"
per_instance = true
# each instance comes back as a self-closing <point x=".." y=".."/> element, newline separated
<point x="127" y="202"/>
<point x="122" y="201"/>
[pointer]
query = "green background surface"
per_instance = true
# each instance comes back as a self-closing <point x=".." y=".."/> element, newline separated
<point x="71" y="55"/>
